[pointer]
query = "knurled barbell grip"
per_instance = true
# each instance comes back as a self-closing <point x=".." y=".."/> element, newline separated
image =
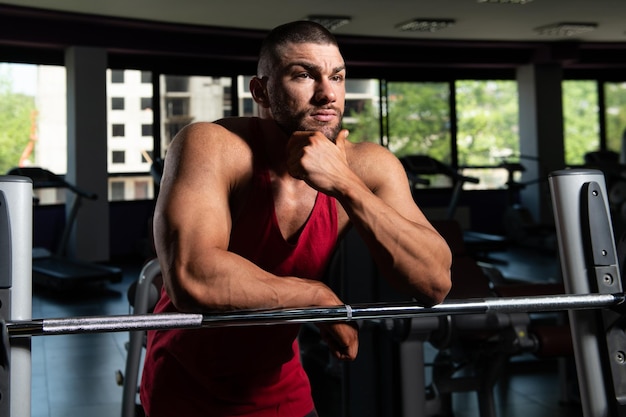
<point x="100" y="324"/>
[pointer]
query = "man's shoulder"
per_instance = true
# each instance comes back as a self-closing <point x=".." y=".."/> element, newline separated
<point x="221" y="133"/>
<point x="372" y="162"/>
<point x="233" y="126"/>
<point x="366" y="150"/>
<point x="213" y="143"/>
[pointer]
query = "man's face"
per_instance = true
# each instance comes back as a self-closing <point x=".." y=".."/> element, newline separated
<point x="307" y="89"/>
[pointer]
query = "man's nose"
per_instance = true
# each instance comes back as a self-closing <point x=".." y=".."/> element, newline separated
<point x="325" y="92"/>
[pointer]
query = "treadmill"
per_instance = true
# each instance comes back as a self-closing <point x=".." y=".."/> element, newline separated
<point x="477" y="243"/>
<point x="55" y="270"/>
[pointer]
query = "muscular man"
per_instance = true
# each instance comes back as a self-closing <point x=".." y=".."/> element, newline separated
<point x="248" y="215"/>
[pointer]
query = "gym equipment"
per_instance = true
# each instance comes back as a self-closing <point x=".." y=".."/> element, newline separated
<point x="145" y="297"/>
<point x="519" y="224"/>
<point x="418" y="165"/>
<point x="512" y="334"/>
<point x="57" y="271"/>
<point x="346" y="312"/>
<point x="479" y="244"/>
<point x="614" y="171"/>
<point x="142" y="296"/>
<point x="472" y="351"/>
<point x="482" y="340"/>
<point x="16" y="208"/>
<point x="590" y="263"/>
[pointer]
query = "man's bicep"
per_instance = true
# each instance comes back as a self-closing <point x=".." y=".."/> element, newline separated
<point x="394" y="189"/>
<point x="191" y="219"/>
<point x="193" y="198"/>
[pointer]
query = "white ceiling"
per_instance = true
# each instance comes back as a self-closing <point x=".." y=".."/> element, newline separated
<point x="474" y="20"/>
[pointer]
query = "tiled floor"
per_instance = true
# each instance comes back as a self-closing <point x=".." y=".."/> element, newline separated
<point x="531" y="389"/>
<point x="74" y="375"/>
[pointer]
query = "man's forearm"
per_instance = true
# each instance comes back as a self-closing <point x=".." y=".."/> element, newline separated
<point x="221" y="280"/>
<point x="412" y="256"/>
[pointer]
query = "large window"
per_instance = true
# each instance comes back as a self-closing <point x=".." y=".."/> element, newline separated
<point x="187" y="99"/>
<point x="131" y="111"/>
<point x="18" y="115"/>
<point x="487" y="122"/>
<point x="581" y="120"/>
<point x="362" y="110"/>
<point x="33" y="121"/>
<point x="487" y="131"/>
<point x="419" y="119"/>
<point x="468" y="124"/>
<point x="615" y="97"/>
<point x="420" y="123"/>
<point x="34" y="125"/>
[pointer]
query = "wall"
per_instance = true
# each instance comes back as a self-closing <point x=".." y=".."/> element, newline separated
<point x="129" y="228"/>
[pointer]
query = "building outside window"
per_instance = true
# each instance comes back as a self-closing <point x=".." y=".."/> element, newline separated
<point x="411" y="117"/>
<point x="146" y="103"/>
<point x="131" y="158"/>
<point x="146" y="77"/>
<point x="187" y="99"/>
<point x="116" y="190"/>
<point x="146" y="130"/>
<point x="118" y="157"/>
<point x="117" y="76"/>
<point x="117" y="103"/>
<point x="117" y="130"/>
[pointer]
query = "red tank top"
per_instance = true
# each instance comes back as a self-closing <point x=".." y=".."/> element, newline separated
<point x="243" y="371"/>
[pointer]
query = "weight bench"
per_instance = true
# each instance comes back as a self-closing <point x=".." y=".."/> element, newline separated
<point x="473" y="350"/>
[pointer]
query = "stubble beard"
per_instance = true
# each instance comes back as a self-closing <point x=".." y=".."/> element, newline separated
<point x="291" y="122"/>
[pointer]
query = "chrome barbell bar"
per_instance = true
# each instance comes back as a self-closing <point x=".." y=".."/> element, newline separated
<point x="165" y="321"/>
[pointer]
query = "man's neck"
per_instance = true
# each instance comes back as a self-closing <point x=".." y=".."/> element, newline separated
<point x="275" y="144"/>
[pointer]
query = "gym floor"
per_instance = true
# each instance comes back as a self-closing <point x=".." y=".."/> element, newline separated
<point x="75" y="375"/>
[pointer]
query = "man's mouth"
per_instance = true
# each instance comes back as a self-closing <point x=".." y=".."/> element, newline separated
<point x="325" y="116"/>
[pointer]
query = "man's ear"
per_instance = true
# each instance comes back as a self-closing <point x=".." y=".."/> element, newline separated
<point x="258" y="91"/>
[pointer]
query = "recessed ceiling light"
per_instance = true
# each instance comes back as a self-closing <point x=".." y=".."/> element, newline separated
<point x="330" y="22"/>
<point x="425" y="25"/>
<point x="566" y="29"/>
<point x="505" y="1"/>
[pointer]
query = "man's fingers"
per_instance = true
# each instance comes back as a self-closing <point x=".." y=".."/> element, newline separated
<point x="341" y="138"/>
<point x="342" y="339"/>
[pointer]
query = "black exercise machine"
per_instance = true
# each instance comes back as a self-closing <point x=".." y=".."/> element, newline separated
<point x="56" y="270"/>
<point x="519" y="224"/>
<point x="418" y="166"/>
